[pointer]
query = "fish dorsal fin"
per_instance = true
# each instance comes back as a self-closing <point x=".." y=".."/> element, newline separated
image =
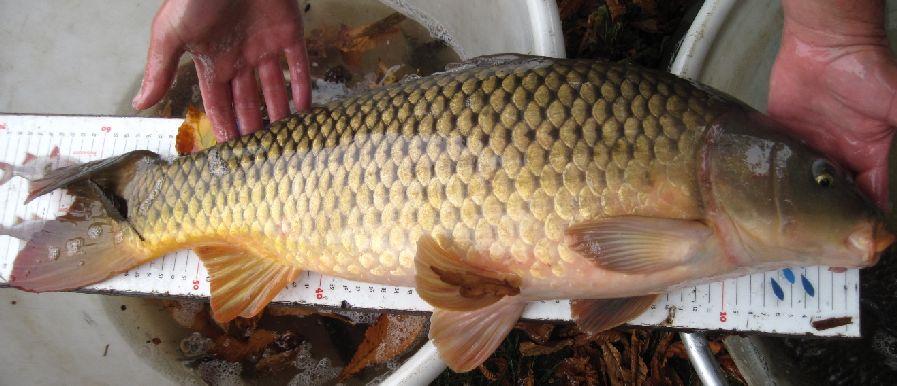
<point x="445" y="281"/>
<point x="195" y="134"/>
<point x="489" y="61"/>
<point x="633" y="244"/>
<point x="594" y="316"/>
<point x="243" y="279"/>
<point x="465" y="339"/>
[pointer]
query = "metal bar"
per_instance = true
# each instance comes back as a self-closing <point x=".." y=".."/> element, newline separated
<point x="705" y="364"/>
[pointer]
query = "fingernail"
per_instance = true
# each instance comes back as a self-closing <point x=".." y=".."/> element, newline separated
<point x="135" y="103"/>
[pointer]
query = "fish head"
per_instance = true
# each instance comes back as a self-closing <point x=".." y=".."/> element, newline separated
<point x="776" y="202"/>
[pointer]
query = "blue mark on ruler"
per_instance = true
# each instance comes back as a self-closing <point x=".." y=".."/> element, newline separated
<point x="807" y="285"/>
<point x="777" y="289"/>
<point x="789" y="275"/>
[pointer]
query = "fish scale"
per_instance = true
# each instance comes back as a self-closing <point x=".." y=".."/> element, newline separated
<point x="500" y="160"/>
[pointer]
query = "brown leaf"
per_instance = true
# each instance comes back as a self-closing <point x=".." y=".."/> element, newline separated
<point x="235" y="350"/>
<point x="613" y="364"/>
<point x="276" y="362"/>
<point x="576" y="371"/>
<point x="677" y="350"/>
<point x="390" y="336"/>
<point x="501" y="368"/>
<point x="529" y="379"/>
<point x="529" y="349"/>
<point x="659" y="359"/>
<point x="616" y="8"/>
<point x="568" y="8"/>
<point x="649" y="7"/>
<point x="536" y="331"/>
<point x="728" y="366"/>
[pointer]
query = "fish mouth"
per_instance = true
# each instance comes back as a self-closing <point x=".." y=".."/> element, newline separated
<point x="871" y="241"/>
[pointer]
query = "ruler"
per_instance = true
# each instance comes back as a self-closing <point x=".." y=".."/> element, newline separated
<point x="780" y="302"/>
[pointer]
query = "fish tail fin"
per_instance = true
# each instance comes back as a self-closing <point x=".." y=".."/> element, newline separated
<point x="476" y="308"/>
<point x="94" y="239"/>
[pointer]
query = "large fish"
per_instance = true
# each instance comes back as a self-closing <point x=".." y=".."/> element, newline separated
<point x="484" y="187"/>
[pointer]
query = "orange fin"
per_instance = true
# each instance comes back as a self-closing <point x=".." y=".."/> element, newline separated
<point x="594" y="316"/>
<point x="195" y="133"/>
<point x="445" y="281"/>
<point x="89" y="244"/>
<point x="465" y="339"/>
<point x="634" y="244"/>
<point x="243" y="280"/>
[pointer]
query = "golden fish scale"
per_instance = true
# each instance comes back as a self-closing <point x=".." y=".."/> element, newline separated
<point x="501" y="160"/>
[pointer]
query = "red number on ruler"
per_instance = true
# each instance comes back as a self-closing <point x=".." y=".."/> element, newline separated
<point x="722" y="317"/>
<point x="106" y="129"/>
<point x="2" y="125"/>
<point x="195" y="285"/>
<point x="319" y="293"/>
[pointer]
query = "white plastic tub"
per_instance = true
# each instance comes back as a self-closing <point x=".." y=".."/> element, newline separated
<point x="83" y="57"/>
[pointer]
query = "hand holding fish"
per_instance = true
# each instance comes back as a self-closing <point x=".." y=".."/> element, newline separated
<point x="231" y="43"/>
<point x="834" y="84"/>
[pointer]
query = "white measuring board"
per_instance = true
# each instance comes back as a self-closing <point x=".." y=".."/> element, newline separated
<point x="782" y="302"/>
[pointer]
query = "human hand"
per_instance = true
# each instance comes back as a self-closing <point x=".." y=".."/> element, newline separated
<point x="230" y="42"/>
<point x="834" y="84"/>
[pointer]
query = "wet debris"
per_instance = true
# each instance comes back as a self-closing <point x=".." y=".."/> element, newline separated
<point x="545" y="353"/>
<point x="635" y="30"/>
<point x="825" y="324"/>
<point x="389" y="337"/>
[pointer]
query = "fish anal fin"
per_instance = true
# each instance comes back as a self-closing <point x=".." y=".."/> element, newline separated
<point x="633" y="244"/>
<point x="243" y="279"/>
<point x="465" y="339"/>
<point x="596" y="315"/>
<point x="446" y="281"/>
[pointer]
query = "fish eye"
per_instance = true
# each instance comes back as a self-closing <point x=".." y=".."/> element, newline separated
<point x="823" y="173"/>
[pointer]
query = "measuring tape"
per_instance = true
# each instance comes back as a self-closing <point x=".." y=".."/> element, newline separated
<point x="783" y="302"/>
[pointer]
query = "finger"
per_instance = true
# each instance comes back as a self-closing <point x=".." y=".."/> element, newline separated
<point x="875" y="183"/>
<point x="161" y="66"/>
<point x="300" y="79"/>
<point x="273" y="88"/>
<point x="216" y="98"/>
<point x="246" y="102"/>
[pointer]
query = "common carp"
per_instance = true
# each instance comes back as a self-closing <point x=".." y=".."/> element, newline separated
<point x="497" y="183"/>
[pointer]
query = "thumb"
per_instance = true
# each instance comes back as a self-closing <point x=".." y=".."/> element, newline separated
<point x="161" y="66"/>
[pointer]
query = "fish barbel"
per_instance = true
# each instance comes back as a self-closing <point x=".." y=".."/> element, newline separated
<point x="485" y="187"/>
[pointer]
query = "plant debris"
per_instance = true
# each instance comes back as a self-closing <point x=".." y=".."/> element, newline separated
<point x="392" y="335"/>
<point x="634" y="30"/>
<point x="568" y="356"/>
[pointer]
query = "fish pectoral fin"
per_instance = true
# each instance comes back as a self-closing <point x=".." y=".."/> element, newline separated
<point x="465" y="339"/>
<point x="242" y="281"/>
<point x="633" y="244"/>
<point x="446" y="281"/>
<point x="594" y="316"/>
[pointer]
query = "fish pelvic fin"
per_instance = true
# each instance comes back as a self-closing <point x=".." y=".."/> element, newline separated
<point x="90" y="243"/>
<point x="465" y="339"/>
<point x="475" y="308"/>
<point x="594" y="316"/>
<point x="244" y="279"/>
